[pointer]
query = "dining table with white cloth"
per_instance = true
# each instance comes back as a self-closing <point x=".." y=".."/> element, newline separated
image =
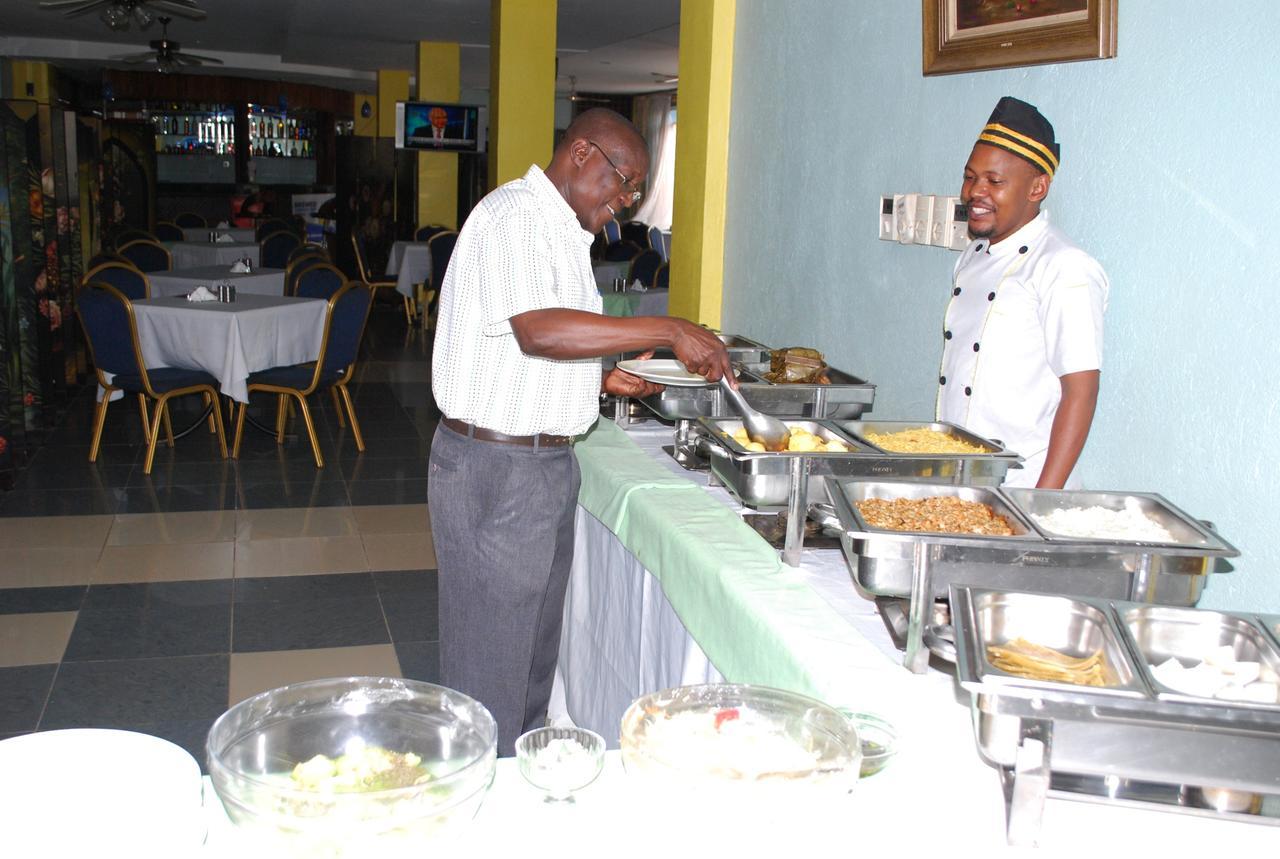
<point x="605" y="271"/>
<point x="661" y="594"/>
<point x="410" y="262"/>
<point x="201" y="234"/>
<point x="193" y="254"/>
<point x="260" y="281"/>
<point x="233" y="339"/>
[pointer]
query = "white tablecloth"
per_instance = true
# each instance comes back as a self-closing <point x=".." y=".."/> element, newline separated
<point x="410" y="262"/>
<point x="195" y="254"/>
<point x="622" y="638"/>
<point x="605" y="272"/>
<point x="230" y="341"/>
<point x="201" y="234"/>
<point x="262" y="281"/>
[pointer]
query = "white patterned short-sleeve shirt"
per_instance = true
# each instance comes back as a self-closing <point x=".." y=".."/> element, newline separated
<point x="521" y="249"/>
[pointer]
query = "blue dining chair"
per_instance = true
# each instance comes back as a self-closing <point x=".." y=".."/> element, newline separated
<point x="343" y="329"/>
<point x="107" y="318"/>
<point x="644" y="267"/>
<point x="441" y="246"/>
<point x="294" y="270"/>
<point x="612" y="231"/>
<point x="133" y="284"/>
<point x="321" y="280"/>
<point x="167" y="231"/>
<point x="424" y="234"/>
<point x="373" y="282"/>
<point x="189" y="220"/>
<point x="661" y="278"/>
<point x="269" y="226"/>
<point x="277" y="247"/>
<point x="147" y="255"/>
<point x="309" y="249"/>
<point x="658" y="242"/>
<point x="621" y="251"/>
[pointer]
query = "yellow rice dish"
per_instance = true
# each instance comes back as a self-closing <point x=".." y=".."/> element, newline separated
<point x="922" y="440"/>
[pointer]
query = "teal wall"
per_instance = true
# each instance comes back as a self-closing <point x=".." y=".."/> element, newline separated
<point x="1168" y="158"/>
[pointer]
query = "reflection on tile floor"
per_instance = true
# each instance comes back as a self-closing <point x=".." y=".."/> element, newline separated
<point x="153" y="602"/>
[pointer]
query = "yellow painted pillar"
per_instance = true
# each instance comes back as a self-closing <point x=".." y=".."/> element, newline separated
<point x="702" y="159"/>
<point x="31" y="80"/>
<point x="365" y="126"/>
<point x="393" y="86"/>
<point x="439" y="76"/>
<point x="522" y="86"/>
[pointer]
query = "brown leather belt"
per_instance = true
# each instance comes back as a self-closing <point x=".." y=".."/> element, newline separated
<point x="473" y="431"/>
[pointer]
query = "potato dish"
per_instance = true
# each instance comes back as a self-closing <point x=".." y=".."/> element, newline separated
<point x="921" y="440"/>
<point x="942" y="514"/>
<point x="801" y="441"/>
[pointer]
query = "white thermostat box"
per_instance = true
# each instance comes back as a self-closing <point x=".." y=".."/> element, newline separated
<point x="904" y="217"/>
<point x="924" y="219"/>
<point x="888" y="229"/>
<point x="950" y="224"/>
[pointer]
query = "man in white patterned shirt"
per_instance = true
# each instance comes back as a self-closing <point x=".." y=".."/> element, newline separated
<point x="516" y="372"/>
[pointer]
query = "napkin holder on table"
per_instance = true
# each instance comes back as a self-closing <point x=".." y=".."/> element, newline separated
<point x="200" y="293"/>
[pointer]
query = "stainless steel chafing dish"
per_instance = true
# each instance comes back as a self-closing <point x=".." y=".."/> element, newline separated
<point x="846" y="397"/>
<point x="921" y="566"/>
<point x="796" y="479"/>
<point x="1131" y="740"/>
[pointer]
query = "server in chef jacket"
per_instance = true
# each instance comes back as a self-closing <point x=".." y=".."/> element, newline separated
<point x="1022" y="339"/>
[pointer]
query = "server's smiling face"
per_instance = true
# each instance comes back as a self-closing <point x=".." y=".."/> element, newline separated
<point x="1003" y="192"/>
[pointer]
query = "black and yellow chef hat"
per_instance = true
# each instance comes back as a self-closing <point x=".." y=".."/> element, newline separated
<point x="1021" y="129"/>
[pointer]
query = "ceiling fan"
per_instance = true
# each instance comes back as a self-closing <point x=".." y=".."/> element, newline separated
<point x="117" y="14"/>
<point x="167" y="54"/>
<point x="583" y="99"/>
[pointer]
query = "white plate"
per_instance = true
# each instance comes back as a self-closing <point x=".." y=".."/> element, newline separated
<point x="663" y="371"/>
<point x="77" y="791"/>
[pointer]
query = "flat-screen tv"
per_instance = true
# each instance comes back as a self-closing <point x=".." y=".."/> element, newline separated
<point x="430" y="126"/>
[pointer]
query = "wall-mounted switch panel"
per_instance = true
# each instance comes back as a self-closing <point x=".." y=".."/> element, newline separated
<point x="904" y="217"/>
<point x="888" y="228"/>
<point x="924" y="219"/>
<point x="951" y="224"/>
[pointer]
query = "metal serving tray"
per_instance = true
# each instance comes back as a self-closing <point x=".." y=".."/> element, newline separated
<point x="1188" y="635"/>
<point x="922" y="566"/>
<point x="860" y="428"/>
<point x="1046" y="735"/>
<point x="846" y="397"/>
<point x="763" y="480"/>
<point x="1188" y="534"/>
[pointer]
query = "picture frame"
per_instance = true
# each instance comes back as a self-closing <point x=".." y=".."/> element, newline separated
<point x="978" y="35"/>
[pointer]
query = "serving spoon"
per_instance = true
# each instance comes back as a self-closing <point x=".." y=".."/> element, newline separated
<point x="761" y="428"/>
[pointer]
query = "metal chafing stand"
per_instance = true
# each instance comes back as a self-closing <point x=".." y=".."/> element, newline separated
<point x="794" y="480"/>
<point x="1132" y="740"/>
<point x="922" y="566"/>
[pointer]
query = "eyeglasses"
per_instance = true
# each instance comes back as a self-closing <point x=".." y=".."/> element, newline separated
<point x="627" y="184"/>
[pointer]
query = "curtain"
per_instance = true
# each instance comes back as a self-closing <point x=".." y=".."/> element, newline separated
<point x="653" y="117"/>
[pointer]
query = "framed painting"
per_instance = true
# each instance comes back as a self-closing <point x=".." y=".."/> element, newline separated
<point x="975" y="35"/>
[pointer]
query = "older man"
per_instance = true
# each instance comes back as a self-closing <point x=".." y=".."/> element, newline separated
<point x="516" y="372"/>
<point x="1022" y="340"/>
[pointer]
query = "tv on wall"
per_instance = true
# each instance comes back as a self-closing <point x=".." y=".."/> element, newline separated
<point x="434" y="127"/>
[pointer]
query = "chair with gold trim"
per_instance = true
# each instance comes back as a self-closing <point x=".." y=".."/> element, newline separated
<point x="132" y="283"/>
<point x="295" y="269"/>
<point x="441" y="246"/>
<point x="109" y="326"/>
<point x="167" y="231"/>
<point x="189" y="220"/>
<point x="321" y="280"/>
<point x="376" y="283"/>
<point x="277" y="247"/>
<point x="147" y="255"/>
<point x="343" y="329"/>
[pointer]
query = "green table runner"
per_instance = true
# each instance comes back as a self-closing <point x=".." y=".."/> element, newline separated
<point x="755" y="619"/>
<point x="620" y="303"/>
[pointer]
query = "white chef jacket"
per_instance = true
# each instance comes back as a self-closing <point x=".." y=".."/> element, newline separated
<point x="1023" y="312"/>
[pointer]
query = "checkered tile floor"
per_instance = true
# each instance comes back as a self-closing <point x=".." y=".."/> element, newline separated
<point x="154" y="602"/>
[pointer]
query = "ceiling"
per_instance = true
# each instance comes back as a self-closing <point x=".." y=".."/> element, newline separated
<point x="609" y="46"/>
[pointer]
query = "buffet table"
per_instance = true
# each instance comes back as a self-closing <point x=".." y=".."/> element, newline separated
<point x="669" y="586"/>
